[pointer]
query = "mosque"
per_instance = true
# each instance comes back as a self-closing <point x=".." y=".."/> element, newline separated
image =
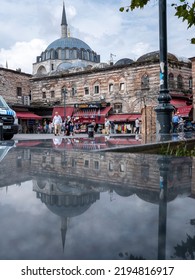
<point x="69" y="77"/>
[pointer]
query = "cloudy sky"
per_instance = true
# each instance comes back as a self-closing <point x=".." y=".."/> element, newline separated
<point x="27" y="27"/>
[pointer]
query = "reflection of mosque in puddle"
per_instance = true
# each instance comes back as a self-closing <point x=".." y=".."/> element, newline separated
<point x="68" y="182"/>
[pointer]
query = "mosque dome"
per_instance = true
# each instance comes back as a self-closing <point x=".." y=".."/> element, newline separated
<point x="65" y="53"/>
<point x="124" y="61"/>
<point x="153" y="56"/>
<point x="68" y="42"/>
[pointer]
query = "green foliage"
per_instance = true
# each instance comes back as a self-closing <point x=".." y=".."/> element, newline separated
<point x="184" y="11"/>
<point x="186" y="250"/>
<point x="180" y="150"/>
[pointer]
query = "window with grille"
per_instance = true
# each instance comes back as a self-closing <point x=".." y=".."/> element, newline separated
<point x="19" y="91"/>
<point x="111" y="87"/>
<point x="171" y="81"/>
<point x="179" y="82"/>
<point x="96" y="89"/>
<point x="86" y="91"/>
<point x="145" y="82"/>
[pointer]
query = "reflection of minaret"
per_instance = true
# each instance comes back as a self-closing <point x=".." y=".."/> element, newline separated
<point x="64" y="227"/>
<point x="64" y="200"/>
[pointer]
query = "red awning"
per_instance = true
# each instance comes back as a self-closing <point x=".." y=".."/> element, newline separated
<point x="68" y="111"/>
<point x="177" y="103"/>
<point x="184" y="111"/>
<point x="124" y="117"/>
<point x="104" y="111"/>
<point x="27" y="116"/>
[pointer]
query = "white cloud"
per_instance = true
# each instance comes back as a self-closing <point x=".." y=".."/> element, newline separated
<point x="22" y="54"/>
<point x="27" y="27"/>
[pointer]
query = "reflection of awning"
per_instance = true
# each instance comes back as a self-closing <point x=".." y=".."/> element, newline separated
<point x="28" y="143"/>
<point x="124" y="117"/>
<point x="177" y="103"/>
<point x="68" y="111"/>
<point x="184" y="111"/>
<point x="27" y="116"/>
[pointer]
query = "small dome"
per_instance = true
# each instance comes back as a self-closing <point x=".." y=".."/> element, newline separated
<point x="152" y="56"/>
<point x="68" y="42"/>
<point x="124" y="61"/>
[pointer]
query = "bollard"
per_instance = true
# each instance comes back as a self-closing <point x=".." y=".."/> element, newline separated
<point x="90" y="131"/>
<point x="1" y="130"/>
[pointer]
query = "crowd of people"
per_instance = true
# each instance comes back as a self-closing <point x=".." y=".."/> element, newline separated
<point x="69" y="126"/>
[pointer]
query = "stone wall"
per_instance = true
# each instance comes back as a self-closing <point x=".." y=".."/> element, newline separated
<point x="10" y="80"/>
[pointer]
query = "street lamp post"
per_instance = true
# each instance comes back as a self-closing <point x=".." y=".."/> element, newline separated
<point x="164" y="109"/>
<point x="64" y="92"/>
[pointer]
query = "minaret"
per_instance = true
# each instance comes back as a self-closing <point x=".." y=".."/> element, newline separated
<point x="64" y="24"/>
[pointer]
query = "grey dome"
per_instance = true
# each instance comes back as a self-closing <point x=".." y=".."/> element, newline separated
<point x="153" y="56"/>
<point x="68" y="42"/>
<point x="124" y="61"/>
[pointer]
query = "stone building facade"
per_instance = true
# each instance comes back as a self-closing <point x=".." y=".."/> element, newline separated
<point x="15" y="86"/>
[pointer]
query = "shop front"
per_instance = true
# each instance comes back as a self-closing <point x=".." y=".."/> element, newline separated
<point x="86" y="114"/>
<point x="27" y="121"/>
<point x="124" y="123"/>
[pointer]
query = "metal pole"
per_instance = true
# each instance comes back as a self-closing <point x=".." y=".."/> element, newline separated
<point x="164" y="109"/>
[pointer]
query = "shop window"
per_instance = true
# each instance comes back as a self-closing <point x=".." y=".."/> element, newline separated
<point x="145" y="82"/>
<point x="179" y="82"/>
<point x="171" y="81"/>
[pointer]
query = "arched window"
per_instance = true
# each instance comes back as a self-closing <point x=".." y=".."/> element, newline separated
<point x="190" y="83"/>
<point x="179" y="82"/>
<point x="145" y="82"/>
<point x="48" y="56"/>
<point x="111" y="87"/>
<point x="67" y="54"/>
<point x="63" y="54"/>
<point x="171" y="81"/>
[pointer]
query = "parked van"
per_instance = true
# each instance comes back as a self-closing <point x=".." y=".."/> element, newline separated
<point x="8" y="121"/>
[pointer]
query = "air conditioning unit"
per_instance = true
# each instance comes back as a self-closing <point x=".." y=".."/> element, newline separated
<point x="26" y="100"/>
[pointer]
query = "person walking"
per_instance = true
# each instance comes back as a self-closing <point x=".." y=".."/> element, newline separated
<point x="57" y="122"/>
<point x="137" y="124"/>
<point x="175" y="122"/>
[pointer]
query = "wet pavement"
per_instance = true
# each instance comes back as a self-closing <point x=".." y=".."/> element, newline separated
<point x="75" y="199"/>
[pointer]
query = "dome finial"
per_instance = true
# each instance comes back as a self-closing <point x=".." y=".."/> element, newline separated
<point x="64" y="24"/>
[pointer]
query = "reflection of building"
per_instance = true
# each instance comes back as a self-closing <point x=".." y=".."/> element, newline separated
<point x="98" y="171"/>
<point x="65" y="201"/>
<point x="68" y="182"/>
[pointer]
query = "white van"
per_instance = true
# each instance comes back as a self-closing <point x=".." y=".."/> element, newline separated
<point x="8" y="121"/>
